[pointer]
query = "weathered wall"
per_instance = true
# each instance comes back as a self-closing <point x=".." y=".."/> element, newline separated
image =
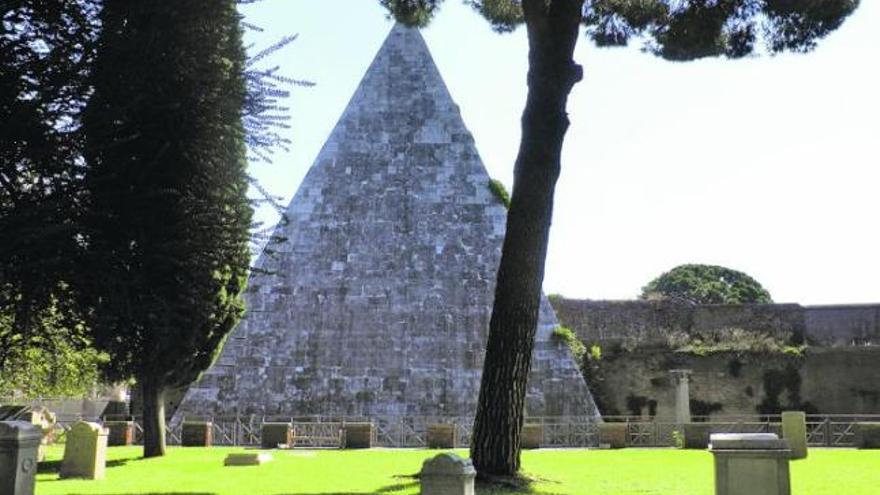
<point x="640" y="322"/>
<point x="831" y="375"/>
<point x="825" y="380"/>
<point x="855" y="324"/>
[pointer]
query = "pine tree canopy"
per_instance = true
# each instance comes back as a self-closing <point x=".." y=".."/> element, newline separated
<point x="675" y="29"/>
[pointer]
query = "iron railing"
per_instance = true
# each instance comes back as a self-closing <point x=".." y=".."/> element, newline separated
<point x="559" y="432"/>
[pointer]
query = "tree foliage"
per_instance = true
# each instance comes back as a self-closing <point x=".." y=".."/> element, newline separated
<point x="168" y="214"/>
<point x="707" y="284"/>
<point x="46" y="49"/>
<point x="57" y="361"/>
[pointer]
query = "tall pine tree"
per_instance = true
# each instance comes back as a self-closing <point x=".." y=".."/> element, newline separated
<point x="167" y="233"/>
<point x="678" y="30"/>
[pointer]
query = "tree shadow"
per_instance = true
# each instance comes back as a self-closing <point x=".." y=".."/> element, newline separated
<point x="54" y="467"/>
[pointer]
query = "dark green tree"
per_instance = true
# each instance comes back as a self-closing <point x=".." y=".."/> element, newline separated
<point x="167" y="230"/>
<point x="46" y="49"/>
<point x="707" y="284"/>
<point x="673" y="29"/>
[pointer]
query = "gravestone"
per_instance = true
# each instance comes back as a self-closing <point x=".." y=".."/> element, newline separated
<point x="358" y="435"/>
<point x="19" y="442"/>
<point x="447" y="474"/>
<point x="794" y="431"/>
<point x="613" y="435"/>
<point x="867" y="435"/>
<point x="274" y="434"/>
<point x="246" y="459"/>
<point x="121" y="433"/>
<point x="197" y="434"/>
<point x="681" y="379"/>
<point x="85" y="452"/>
<point x="441" y="436"/>
<point x="532" y="436"/>
<point x="750" y="464"/>
<point x="695" y="435"/>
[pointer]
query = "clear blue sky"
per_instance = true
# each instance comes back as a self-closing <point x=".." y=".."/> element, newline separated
<point x="768" y="165"/>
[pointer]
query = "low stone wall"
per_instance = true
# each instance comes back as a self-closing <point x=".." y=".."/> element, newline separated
<point x="640" y="323"/>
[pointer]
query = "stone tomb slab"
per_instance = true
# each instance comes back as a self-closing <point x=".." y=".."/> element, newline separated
<point x="613" y="435"/>
<point x="867" y="435"/>
<point x="247" y="459"/>
<point x="273" y="435"/>
<point x="358" y="435"/>
<point x="532" y="436"/>
<point x="197" y="434"/>
<point x="85" y="452"/>
<point x="121" y="433"/>
<point x="750" y="464"/>
<point x="441" y="436"/>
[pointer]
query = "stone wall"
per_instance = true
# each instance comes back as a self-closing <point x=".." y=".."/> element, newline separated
<point x="854" y="324"/>
<point x="643" y="323"/>
<point x="841" y="380"/>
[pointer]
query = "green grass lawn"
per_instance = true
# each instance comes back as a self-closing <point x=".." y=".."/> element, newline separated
<point x="191" y="471"/>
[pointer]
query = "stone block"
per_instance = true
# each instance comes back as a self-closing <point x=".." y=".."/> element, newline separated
<point x="696" y="435"/>
<point x="532" y="436"/>
<point x="750" y="464"/>
<point x="85" y="452"/>
<point x="794" y="431"/>
<point x="121" y="433"/>
<point x="867" y="435"/>
<point x="19" y="442"/>
<point x="447" y="474"/>
<point x="274" y="434"/>
<point x="613" y="435"/>
<point x="441" y="436"/>
<point x="246" y="459"/>
<point x="197" y="434"/>
<point x="358" y="435"/>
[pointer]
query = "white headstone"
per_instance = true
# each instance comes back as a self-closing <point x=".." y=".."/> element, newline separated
<point x="85" y="452"/>
<point x="448" y="474"/>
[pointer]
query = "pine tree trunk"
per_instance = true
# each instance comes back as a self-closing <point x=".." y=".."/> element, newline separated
<point x="553" y="31"/>
<point x="154" y="417"/>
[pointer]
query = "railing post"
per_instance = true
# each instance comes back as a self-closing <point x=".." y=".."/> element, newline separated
<point x="827" y="426"/>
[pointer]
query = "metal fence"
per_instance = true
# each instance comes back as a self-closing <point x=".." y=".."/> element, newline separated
<point x="557" y="432"/>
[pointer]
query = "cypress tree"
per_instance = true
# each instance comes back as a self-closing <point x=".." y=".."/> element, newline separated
<point x="167" y="229"/>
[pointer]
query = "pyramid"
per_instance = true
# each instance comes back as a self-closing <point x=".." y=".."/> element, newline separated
<point x="378" y="303"/>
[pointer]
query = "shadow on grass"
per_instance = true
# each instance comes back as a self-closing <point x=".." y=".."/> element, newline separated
<point x="497" y="486"/>
<point x="153" y="493"/>
<point x="385" y="489"/>
<point x="53" y="467"/>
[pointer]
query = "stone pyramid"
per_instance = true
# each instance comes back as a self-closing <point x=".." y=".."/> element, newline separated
<point x="381" y="297"/>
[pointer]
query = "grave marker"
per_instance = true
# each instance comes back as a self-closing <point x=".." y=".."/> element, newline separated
<point x="85" y="453"/>
<point x="19" y="442"/>
<point x="448" y="474"/>
<point x="750" y="464"/>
